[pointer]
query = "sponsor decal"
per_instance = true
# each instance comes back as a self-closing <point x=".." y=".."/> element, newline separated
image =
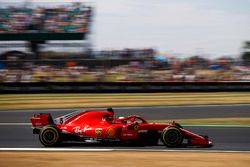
<point x="111" y="132"/>
<point x="142" y="131"/>
<point x="127" y="134"/>
<point x="77" y="130"/>
<point x="98" y="131"/>
<point x="86" y="128"/>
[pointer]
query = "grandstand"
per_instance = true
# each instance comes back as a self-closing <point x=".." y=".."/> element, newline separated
<point x="34" y="27"/>
<point x="41" y="23"/>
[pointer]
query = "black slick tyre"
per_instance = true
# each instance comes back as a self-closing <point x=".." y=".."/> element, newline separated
<point x="50" y="136"/>
<point x="172" y="137"/>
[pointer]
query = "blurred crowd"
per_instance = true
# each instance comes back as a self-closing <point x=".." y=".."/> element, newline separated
<point x="60" y="19"/>
<point x="173" y="70"/>
<point x="127" y="65"/>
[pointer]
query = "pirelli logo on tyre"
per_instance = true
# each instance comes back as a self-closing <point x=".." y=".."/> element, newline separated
<point x="111" y="132"/>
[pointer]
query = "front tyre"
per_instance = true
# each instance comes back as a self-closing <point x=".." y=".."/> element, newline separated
<point x="172" y="137"/>
<point x="50" y="136"/>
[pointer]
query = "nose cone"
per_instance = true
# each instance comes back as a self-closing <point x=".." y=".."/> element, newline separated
<point x="210" y="143"/>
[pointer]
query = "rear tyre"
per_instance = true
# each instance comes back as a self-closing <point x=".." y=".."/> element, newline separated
<point x="172" y="137"/>
<point x="50" y="136"/>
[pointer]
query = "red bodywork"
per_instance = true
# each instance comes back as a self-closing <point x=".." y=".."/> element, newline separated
<point x="101" y="124"/>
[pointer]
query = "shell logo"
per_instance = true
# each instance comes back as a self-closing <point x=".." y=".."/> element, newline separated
<point x="111" y="132"/>
<point x="98" y="131"/>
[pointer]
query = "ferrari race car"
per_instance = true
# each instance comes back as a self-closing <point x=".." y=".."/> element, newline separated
<point x="101" y="126"/>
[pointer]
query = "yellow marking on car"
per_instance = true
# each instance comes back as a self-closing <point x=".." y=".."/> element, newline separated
<point x="98" y="131"/>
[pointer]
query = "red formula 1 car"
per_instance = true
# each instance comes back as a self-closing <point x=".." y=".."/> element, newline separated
<point x="101" y="126"/>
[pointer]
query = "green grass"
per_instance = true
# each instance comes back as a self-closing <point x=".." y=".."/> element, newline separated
<point x="34" y="101"/>
<point x="211" y="121"/>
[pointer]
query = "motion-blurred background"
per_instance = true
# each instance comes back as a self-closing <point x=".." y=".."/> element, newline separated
<point x="59" y="41"/>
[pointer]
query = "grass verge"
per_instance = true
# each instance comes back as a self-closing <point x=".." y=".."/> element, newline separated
<point x="123" y="159"/>
<point x="34" y="101"/>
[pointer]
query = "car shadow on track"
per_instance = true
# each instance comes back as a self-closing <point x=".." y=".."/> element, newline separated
<point x="115" y="145"/>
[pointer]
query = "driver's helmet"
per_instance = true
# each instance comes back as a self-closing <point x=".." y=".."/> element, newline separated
<point x="107" y="117"/>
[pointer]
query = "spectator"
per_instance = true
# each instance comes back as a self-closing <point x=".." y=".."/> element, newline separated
<point x="61" y="19"/>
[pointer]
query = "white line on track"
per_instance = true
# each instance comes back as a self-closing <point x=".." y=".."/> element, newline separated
<point x="226" y="126"/>
<point x="106" y="150"/>
<point x="15" y="124"/>
<point x="136" y="107"/>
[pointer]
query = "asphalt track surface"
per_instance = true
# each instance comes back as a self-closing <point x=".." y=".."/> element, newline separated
<point x="224" y="138"/>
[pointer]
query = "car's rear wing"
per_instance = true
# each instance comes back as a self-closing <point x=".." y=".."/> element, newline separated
<point x="42" y="119"/>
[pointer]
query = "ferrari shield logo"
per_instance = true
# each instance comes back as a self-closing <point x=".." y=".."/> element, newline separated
<point x="136" y="127"/>
<point x="111" y="132"/>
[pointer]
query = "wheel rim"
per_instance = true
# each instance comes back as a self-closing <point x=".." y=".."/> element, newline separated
<point x="172" y="137"/>
<point x="49" y="136"/>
